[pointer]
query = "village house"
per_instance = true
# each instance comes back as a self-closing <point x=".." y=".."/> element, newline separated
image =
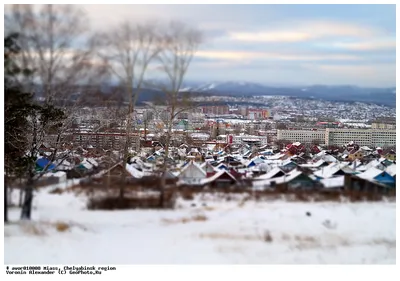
<point x="356" y="154"/>
<point x="391" y="155"/>
<point x="192" y="174"/>
<point x="195" y="154"/>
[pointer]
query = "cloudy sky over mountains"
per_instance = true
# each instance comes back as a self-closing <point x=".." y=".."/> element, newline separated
<point x="295" y="44"/>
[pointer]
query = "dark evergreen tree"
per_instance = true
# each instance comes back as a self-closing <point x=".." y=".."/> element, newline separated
<point x="17" y="106"/>
<point x="26" y="122"/>
<point x="43" y="119"/>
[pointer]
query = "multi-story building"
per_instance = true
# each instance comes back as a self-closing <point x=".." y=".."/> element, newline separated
<point x="344" y="136"/>
<point x="200" y="136"/>
<point x="257" y="114"/>
<point x="216" y="110"/>
<point x="339" y="137"/>
<point x="249" y="139"/>
<point x="383" y="138"/>
<point x="384" y="123"/>
<point x="106" y="140"/>
<point x="303" y="136"/>
<point x="55" y="140"/>
<point x="368" y="137"/>
<point x="148" y="115"/>
<point x="328" y="124"/>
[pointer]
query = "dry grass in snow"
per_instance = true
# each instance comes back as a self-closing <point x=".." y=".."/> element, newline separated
<point x="195" y="218"/>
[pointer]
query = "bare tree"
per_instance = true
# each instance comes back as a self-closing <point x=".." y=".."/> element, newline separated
<point x="53" y="46"/>
<point x="179" y="44"/>
<point x="316" y="142"/>
<point x="281" y="126"/>
<point x="281" y="143"/>
<point x="128" y="50"/>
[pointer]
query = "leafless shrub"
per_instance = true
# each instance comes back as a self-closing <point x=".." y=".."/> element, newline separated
<point x="57" y="191"/>
<point x="285" y="237"/>
<point x="328" y="224"/>
<point x="199" y="217"/>
<point x="305" y="238"/>
<point x="267" y="237"/>
<point x="302" y="197"/>
<point x="116" y="203"/>
<point x="187" y="195"/>
<point x="243" y="201"/>
<point x="230" y="236"/>
<point x="33" y="229"/>
<point x="195" y="218"/>
<point x="328" y="196"/>
<point x="62" y="226"/>
<point x="383" y="241"/>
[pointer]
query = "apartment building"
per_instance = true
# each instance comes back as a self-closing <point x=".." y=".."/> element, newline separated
<point x="303" y="136"/>
<point x="371" y="137"/>
<point x="339" y="137"/>
<point x="384" y="123"/>
<point x="216" y="110"/>
<point x="114" y="141"/>
<point x="257" y="114"/>
<point x="383" y="138"/>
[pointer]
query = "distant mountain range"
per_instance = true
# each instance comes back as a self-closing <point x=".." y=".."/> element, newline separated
<point x="345" y="93"/>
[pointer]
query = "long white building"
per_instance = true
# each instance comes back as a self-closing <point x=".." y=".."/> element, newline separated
<point x="249" y="139"/>
<point x="339" y="137"/>
<point x="304" y="136"/>
<point x="371" y="137"/>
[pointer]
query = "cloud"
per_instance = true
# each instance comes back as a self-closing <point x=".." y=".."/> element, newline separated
<point x="226" y="55"/>
<point x="208" y="18"/>
<point x="337" y="43"/>
<point x="305" y="31"/>
<point x="331" y="28"/>
<point x="284" y="36"/>
<point x="366" y="46"/>
<point x="296" y="73"/>
<point x="348" y="69"/>
<point x="213" y="65"/>
<point x="245" y="56"/>
<point x="372" y="74"/>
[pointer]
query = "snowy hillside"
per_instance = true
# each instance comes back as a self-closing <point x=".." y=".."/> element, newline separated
<point x="219" y="233"/>
<point x="226" y="87"/>
<point x="347" y="93"/>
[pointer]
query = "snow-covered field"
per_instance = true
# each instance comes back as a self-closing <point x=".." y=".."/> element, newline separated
<point x="219" y="233"/>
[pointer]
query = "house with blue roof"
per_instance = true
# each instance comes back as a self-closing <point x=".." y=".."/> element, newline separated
<point x="42" y="163"/>
<point x="385" y="179"/>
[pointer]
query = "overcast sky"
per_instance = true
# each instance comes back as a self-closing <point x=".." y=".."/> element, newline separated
<point x="280" y="44"/>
